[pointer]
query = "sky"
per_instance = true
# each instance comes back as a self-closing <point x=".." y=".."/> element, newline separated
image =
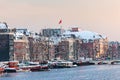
<point x="101" y="16"/>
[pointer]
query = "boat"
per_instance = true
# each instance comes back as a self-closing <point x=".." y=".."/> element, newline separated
<point x="44" y="67"/>
<point x="9" y="70"/>
<point x="33" y="66"/>
<point x="61" y="64"/>
<point x="1" y="70"/>
<point x="101" y="63"/>
<point x="11" y="67"/>
<point x="115" y="63"/>
<point x="83" y="63"/>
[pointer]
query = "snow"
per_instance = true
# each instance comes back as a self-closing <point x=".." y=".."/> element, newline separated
<point x="83" y="35"/>
<point x="3" y="26"/>
<point x="24" y="31"/>
<point x="55" y="39"/>
<point x="18" y="35"/>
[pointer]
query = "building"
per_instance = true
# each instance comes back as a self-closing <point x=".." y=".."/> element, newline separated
<point x="21" y="47"/>
<point x="6" y="47"/>
<point x="6" y="42"/>
<point x="113" y="51"/>
<point x="75" y="29"/>
<point x="66" y="49"/>
<point x="51" y="32"/>
<point x="41" y="49"/>
<point x="23" y="31"/>
<point x="77" y="49"/>
<point x="87" y="49"/>
<point x="100" y="48"/>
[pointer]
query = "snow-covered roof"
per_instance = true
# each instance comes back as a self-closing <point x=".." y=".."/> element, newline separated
<point x="19" y="34"/>
<point x="3" y="26"/>
<point x="56" y="40"/>
<point x="24" y="31"/>
<point x="83" y="35"/>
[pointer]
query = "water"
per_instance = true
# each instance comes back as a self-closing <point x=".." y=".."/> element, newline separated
<point x="94" y="72"/>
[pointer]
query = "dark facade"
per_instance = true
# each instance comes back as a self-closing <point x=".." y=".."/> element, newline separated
<point x="87" y="50"/>
<point x="51" y="32"/>
<point x="77" y="49"/>
<point x="6" y="47"/>
<point x="63" y="50"/>
<point x="113" y="51"/>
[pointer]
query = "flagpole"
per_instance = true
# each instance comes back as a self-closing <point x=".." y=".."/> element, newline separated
<point x="60" y="26"/>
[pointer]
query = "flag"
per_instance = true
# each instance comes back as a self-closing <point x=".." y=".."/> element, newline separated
<point x="60" y="21"/>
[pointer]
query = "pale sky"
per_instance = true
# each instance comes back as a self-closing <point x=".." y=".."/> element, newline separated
<point x="101" y="16"/>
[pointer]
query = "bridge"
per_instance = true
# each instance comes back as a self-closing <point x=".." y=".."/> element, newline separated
<point x="106" y="61"/>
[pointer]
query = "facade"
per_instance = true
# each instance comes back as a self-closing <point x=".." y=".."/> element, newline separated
<point x="101" y="47"/>
<point x="113" y="51"/>
<point x="63" y="50"/>
<point x="87" y="49"/>
<point x="41" y="50"/>
<point x="37" y="52"/>
<point x="6" y="42"/>
<point x="51" y="32"/>
<point x="30" y="43"/>
<point x="66" y="49"/>
<point x="49" y="49"/>
<point x="94" y="49"/>
<point x="6" y="47"/>
<point x="75" y="29"/>
<point x="77" y="49"/>
<point x="21" y="49"/>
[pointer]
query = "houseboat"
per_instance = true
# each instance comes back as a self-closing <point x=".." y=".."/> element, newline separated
<point x="1" y="70"/>
<point x="33" y="66"/>
<point x="61" y="64"/>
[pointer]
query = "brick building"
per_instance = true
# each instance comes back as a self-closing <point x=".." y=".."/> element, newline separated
<point x="21" y="50"/>
<point x="66" y="49"/>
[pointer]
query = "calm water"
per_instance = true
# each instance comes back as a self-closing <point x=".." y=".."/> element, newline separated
<point x="95" y="72"/>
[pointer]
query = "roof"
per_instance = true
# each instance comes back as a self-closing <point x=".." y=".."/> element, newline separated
<point x="84" y="35"/>
<point x="3" y="26"/>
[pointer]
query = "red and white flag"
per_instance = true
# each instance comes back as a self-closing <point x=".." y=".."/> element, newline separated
<point x="60" y="21"/>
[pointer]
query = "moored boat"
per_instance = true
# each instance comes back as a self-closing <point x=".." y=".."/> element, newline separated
<point x="33" y="66"/>
<point x="61" y="64"/>
<point x="83" y="63"/>
<point x="9" y="70"/>
<point x="1" y="70"/>
<point x="11" y="67"/>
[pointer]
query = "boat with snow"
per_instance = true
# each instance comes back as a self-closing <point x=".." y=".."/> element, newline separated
<point x="61" y="64"/>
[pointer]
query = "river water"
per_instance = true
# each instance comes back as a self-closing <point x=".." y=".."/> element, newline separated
<point x="94" y="72"/>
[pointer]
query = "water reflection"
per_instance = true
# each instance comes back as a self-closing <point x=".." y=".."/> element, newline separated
<point x="9" y="74"/>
